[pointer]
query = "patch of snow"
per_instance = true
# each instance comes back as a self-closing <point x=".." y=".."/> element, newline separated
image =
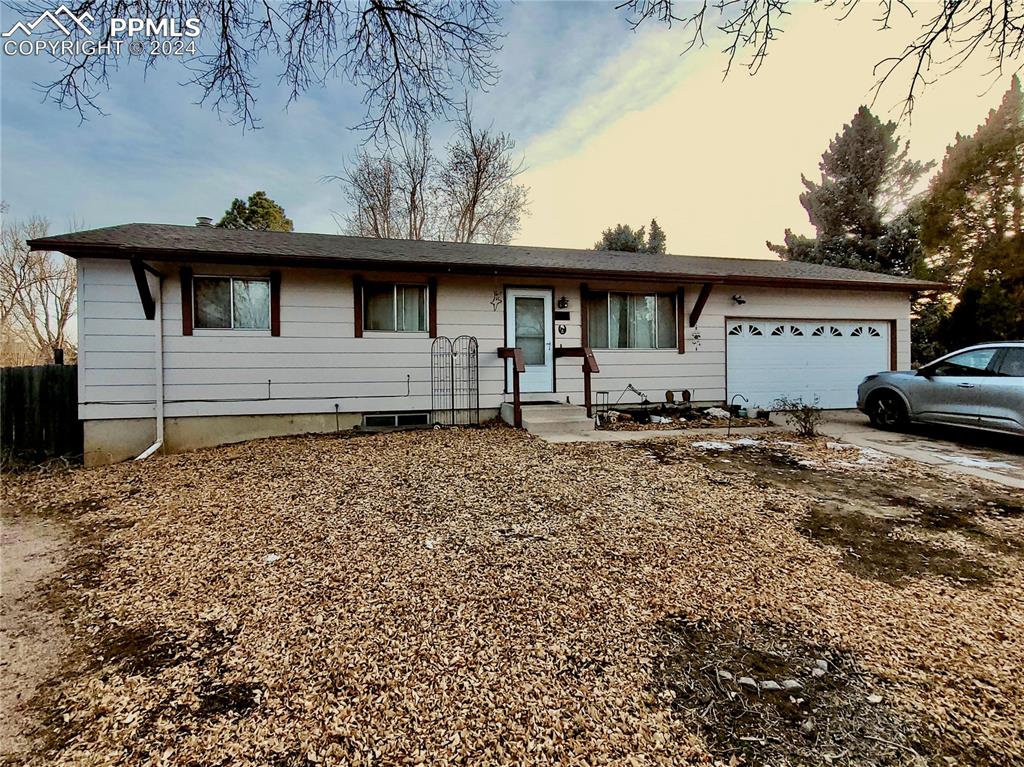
<point x="271" y="558"/>
<point x="745" y="441"/>
<point x="976" y="463"/>
<point x="869" y="455"/>
<point x="712" y="445"/>
<point x="840" y="446"/>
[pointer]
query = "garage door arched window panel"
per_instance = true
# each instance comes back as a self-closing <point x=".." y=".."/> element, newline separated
<point x="873" y="332"/>
<point x="795" y="331"/>
<point x="754" y="330"/>
<point x="818" y="331"/>
<point x="834" y="331"/>
<point x="857" y="331"/>
<point x="779" y="330"/>
<point x="736" y="330"/>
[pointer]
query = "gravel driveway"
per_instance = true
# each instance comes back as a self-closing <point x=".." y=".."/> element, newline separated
<point x="480" y="596"/>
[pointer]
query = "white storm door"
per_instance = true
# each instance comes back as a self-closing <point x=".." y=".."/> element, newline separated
<point x="528" y="325"/>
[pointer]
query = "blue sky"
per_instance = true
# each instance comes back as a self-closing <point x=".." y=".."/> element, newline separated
<point x="614" y="126"/>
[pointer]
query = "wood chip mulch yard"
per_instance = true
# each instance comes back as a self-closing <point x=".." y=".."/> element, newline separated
<point x="482" y="597"/>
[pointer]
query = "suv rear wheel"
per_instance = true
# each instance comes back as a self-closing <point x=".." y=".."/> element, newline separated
<point x="887" y="411"/>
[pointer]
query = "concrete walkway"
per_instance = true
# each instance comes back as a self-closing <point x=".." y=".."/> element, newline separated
<point x="993" y="457"/>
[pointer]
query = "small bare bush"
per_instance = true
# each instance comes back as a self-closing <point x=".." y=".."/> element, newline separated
<point x="805" y="417"/>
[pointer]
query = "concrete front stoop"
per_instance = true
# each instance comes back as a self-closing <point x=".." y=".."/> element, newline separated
<point x="551" y="420"/>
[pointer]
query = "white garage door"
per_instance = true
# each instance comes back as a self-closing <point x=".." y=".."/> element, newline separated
<point x="768" y="359"/>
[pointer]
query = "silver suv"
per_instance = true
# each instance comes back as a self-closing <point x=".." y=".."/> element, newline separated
<point x="981" y="387"/>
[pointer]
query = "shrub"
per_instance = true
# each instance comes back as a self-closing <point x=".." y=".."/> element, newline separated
<point x="805" y="417"/>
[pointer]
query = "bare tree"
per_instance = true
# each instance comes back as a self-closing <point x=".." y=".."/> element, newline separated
<point x="477" y="194"/>
<point x="372" y="194"/>
<point x="406" y="55"/>
<point x="955" y="31"/>
<point x="390" y="194"/>
<point x="470" y="195"/>
<point x="37" y="295"/>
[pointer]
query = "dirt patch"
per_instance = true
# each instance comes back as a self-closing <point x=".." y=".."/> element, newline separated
<point x="871" y="549"/>
<point x="762" y="693"/>
<point x="32" y="637"/>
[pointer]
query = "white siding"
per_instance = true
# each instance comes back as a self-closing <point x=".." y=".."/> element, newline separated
<point x="317" y="362"/>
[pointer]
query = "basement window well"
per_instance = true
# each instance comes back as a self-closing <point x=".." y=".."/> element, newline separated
<point x="395" y="420"/>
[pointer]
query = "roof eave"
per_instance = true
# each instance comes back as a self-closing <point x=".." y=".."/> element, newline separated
<point x="79" y="250"/>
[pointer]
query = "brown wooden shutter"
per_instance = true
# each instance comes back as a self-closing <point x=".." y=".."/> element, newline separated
<point x="584" y="315"/>
<point x="186" y="300"/>
<point x="275" y="303"/>
<point x="357" y="298"/>
<point x="681" y="319"/>
<point x="432" y="306"/>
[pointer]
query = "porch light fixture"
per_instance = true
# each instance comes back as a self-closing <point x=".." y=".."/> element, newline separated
<point x="738" y="299"/>
<point x="563" y="302"/>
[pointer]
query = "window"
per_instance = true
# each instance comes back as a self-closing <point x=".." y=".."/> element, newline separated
<point x="754" y="330"/>
<point x="631" y="321"/>
<point x="795" y="331"/>
<point x="972" y="363"/>
<point x="1013" y="363"/>
<point x="779" y="330"/>
<point x="398" y="308"/>
<point x="736" y="330"/>
<point x="818" y="331"/>
<point x="231" y="303"/>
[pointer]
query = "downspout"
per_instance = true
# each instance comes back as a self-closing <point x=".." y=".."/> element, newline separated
<point x="158" y="323"/>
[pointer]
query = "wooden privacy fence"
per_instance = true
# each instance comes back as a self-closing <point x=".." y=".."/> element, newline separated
<point x="39" y="411"/>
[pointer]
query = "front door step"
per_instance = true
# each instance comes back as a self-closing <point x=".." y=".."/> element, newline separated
<point x="550" y="418"/>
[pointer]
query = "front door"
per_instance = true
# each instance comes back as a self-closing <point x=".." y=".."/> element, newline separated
<point x="528" y="326"/>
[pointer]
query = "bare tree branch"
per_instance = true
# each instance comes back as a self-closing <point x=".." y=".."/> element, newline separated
<point x="408" y="56"/>
<point x="955" y="32"/>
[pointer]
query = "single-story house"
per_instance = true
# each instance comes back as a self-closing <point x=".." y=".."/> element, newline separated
<point x="194" y="335"/>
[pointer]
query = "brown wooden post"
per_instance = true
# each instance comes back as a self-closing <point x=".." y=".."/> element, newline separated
<point x="275" y="303"/>
<point x="586" y="390"/>
<point x="584" y="315"/>
<point x="357" y="313"/>
<point x="432" y="306"/>
<point x="517" y="401"/>
<point x="681" y="319"/>
<point x="185" y="275"/>
<point x="698" y="307"/>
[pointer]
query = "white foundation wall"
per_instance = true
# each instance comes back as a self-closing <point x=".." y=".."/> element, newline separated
<point x="317" y="364"/>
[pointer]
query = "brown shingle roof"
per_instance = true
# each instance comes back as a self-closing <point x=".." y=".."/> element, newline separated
<point x="210" y="244"/>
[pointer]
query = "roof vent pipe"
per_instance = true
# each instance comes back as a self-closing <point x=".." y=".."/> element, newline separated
<point x="204" y="221"/>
